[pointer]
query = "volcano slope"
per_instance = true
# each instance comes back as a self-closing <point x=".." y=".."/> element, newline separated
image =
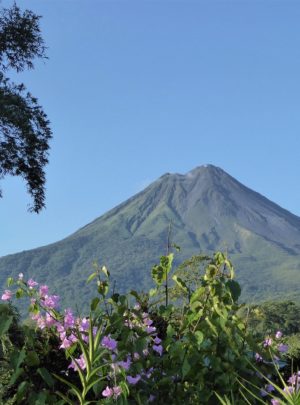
<point x="209" y="210"/>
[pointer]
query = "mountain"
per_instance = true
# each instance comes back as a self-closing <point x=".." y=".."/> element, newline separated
<point x="209" y="210"/>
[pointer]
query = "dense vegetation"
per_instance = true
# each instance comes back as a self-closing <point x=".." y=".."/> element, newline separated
<point x="186" y="341"/>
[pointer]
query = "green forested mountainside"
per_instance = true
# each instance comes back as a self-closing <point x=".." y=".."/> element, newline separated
<point x="209" y="210"/>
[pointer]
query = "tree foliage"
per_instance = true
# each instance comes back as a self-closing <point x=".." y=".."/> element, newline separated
<point x="24" y="128"/>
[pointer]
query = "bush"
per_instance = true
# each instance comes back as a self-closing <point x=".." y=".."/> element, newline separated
<point x="182" y="342"/>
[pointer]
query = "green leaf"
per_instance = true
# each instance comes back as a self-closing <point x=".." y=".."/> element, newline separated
<point x="9" y="281"/>
<point x="180" y="283"/>
<point x="19" y="293"/>
<point x="18" y="372"/>
<point x="135" y="295"/>
<point x="91" y="277"/>
<point x="94" y="303"/>
<point x="234" y="288"/>
<point x="158" y="274"/>
<point x="152" y="292"/>
<point x="46" y="376"/>
<point x="17" y="358"/>
<point x="115" y="297"/>
<point x="199" y="337"/>
<point x="103" y="288"/>
<point x="22" y="388"/>
<point x="170" y="331"/>
<point x="41" y="398"/>
<point x="186" y="367"/>
<point x="32" y="359"/>
<point x="5" y="322"/>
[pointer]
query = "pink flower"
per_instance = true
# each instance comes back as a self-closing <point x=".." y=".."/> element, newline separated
<point x="148" y="321"/>
<point x="66" y="343"/>
<point x="294" y="379"/>
<point x="84" y="325"/>
<point x="50" y="321"/>
<point x="60" y="328"/>
<point x="51" y="301"/>
<point x="268" y="342"/>
<point x="7" y="295"/>
<point x="258" y="357"/>
<point x="275" y="401"/>
<point x="41" y="322"/>
<point x="31" y="283"/>
<point x="69" y="320"/>
<point x="117" y="391"/>
<point x="289" y="390"/>
<point x="80" y="361"/>
<point x="108" y="392"/>
<point x="43" y="290"/>
<point x="278" y="334"/>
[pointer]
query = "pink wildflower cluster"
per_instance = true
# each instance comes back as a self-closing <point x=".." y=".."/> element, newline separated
<point x="112" y="392"/>
<point x="293" y="387"/>
<point x="133" y="320"/>
<point x="69" y="329"/>
<point x="7" y="295"/>
<point x="273" y="343"/>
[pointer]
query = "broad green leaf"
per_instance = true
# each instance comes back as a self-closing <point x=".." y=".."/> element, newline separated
<point x="19" y="293"/>
<point x="32" y="359"/>
<point x="94" y="303"/>
<point x="135" y="295"/>
<point x="22" y="388"/>
<point x="170" y="331"/>
<point x="46" y="376"/>
<point x="17" y="358"/>
<point x="234" y="288"/>
<point x="152" y="292"/>
<point x="180" y="283"/>
<point x="5" y="322"/>
<point x="18" y="372"/>
<point x="161" y="271"/>
<point x="186" y="367"/>
<point x="158" y="274"/>
<point x="199" y="337"/>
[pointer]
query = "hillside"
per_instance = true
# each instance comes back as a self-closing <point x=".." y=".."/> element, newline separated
<point x="209" y="210"/>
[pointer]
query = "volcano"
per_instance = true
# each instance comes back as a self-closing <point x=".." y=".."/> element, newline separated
<point x="208" y="210"/>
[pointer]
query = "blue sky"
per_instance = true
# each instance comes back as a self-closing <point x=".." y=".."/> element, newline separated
<point x="135" y="89"/>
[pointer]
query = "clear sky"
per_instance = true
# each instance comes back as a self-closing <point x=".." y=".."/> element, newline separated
<point x="135" y="89"/>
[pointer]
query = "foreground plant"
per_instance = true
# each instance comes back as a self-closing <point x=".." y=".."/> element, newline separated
<point x="184" y="342"/>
